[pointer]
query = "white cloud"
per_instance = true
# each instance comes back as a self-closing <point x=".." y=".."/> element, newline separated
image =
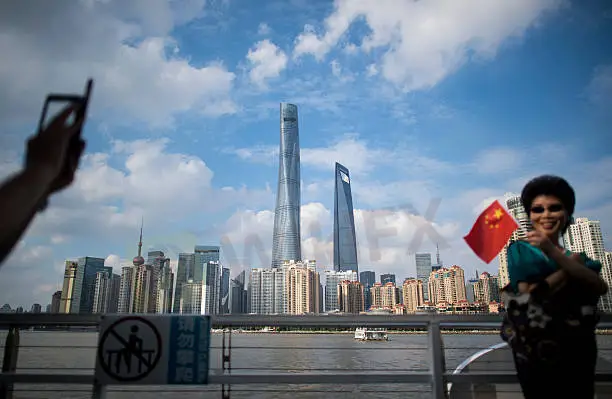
<point x="350" y="48"/>
<point x="372" y="70"/>
<point x="385" y="238"/>
<point x="113" y="261"/>
<point x="351" y="152"/>
<point x="263" y="29"/>
<point x="599" y="90"/>
<point x="125" y="48"/>
<point x="266" y="61"/>
<point x="29" y="273"/>
<point x="335" y="67"/>
<point x="498" y="160"/>
<point x="104" y="207"/>
<point x="425" y="41"/>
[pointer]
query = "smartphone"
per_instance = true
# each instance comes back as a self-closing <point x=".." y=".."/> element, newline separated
<point x="56" y="102"/>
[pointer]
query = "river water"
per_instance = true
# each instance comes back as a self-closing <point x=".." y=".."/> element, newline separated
<point x="74" y="352"/>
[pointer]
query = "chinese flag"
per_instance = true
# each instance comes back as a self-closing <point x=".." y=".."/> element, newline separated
<point x="491" y="232"/>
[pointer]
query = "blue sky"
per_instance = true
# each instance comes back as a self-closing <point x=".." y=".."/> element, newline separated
<point x="420" y="100"/>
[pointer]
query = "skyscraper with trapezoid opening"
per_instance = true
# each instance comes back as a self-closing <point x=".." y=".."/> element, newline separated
<point x="286" y="244"/>
<point x="345" y="243"/>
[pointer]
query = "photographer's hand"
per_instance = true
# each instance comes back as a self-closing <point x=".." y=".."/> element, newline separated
<point x="51" y="162"/>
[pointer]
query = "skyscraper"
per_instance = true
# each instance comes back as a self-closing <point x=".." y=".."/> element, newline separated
<point x="387" y="278"/>
<point x="238" y="294"/>
<point x="286" y="244"/>
<point x="367" y="278"/>
<point x="447" y="285"/>
<point x="55" y="302"/>
<point x="345" y="243"/>
<point x="203" y="254"/>
<point x="224" y="295"/>
<point x="584" y="235"/>
<point x="332" y="280"/>
<point x="516" y="209"/>
<point x="184" y="273"/>
<point x="423" y="270"/>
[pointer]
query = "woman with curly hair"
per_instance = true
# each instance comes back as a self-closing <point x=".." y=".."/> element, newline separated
<point x="551" y="300"/>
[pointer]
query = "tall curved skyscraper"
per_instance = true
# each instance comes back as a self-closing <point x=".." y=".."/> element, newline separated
<point x="345" y="243"/>
<point x="286" y="236"/>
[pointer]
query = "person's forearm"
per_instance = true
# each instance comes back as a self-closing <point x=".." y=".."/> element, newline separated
<point x="555" y="281"/>
<point x="577" y="271"/>
<point x="20" y="198"/>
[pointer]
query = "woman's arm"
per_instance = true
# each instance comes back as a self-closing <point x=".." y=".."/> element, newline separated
<point x="555" y="281"/>
<point x="578" y="271"/>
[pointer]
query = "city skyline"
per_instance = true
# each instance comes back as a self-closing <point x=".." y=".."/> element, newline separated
<point x="183" y="127"/>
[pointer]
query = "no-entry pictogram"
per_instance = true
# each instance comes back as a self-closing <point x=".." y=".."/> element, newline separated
<point x="129" y="349"/>
<point x="153" y="350"/>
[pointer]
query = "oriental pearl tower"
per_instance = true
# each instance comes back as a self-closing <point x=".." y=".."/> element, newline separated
<point x="139" y="260"/>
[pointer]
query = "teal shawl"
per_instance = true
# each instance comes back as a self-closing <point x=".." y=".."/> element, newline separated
<point x="527" y="263"/>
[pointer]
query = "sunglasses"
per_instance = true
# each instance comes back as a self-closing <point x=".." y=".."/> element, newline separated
<point x="552" y="208"/>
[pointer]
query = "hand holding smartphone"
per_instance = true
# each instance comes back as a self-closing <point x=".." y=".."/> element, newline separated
<point x="61" y="133"/>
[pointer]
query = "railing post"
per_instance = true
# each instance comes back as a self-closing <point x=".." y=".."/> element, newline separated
<point x="99" y="390"/>
<point x="226" y="359"/>
<point x="9" y="363"/>
<point x="436" y="365"/>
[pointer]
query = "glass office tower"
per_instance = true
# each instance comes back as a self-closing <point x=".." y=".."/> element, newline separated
<point x="286" y="244"/>
<point x="345" y="243"/>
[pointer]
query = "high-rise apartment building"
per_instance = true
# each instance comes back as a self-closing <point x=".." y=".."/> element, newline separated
<point x="345" y="242"/>
<point x="470" y="289"/>
<point x="263" y="290"/>
<point x="125" y="289"/>
<point x="332" y="280"/>
<point x="486" y="289"/>
<point x="211" y="288"/>
<point x="302" y="289"/>
<point x="71" y="296"/>
<point x="385" y="296"/>
<point x="413" y="295"/>
<point x="516" y="209"/>
<point x="367" y="278"/>
<point x="286" y="241"/>
<point x="351" y="298"/>
<point x="447" y="286"/>
<point x="56" y="299"/>
<point x="106" y="292"/>
<point x="423" y="270"/>
<point x="584" y="235"/>
<point x="165" y="285"/>
<point x="143" y="290"/>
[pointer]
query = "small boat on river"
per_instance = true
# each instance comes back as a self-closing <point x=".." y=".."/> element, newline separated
<point x="371" y="334"/>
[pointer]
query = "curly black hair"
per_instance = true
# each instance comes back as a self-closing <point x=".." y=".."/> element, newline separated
<point x="550" y="185"/>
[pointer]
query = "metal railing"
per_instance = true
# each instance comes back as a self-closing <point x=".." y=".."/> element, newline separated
<point x="227" y="371"/>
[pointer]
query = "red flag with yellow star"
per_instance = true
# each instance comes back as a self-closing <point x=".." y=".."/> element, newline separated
<point x="491" y="232"/>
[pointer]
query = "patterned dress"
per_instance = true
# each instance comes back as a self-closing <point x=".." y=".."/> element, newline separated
<point x="551" y="333"/>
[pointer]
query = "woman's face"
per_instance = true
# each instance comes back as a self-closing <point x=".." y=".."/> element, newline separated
<point x="548" y="215"/>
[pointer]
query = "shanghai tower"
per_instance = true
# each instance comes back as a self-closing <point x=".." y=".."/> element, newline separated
<point x="286" y="244"/>
<point x="345" y="243"/>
